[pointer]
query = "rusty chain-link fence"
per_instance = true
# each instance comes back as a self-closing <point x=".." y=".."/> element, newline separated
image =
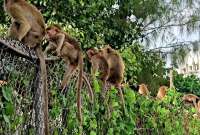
<point x="19" y="98"/>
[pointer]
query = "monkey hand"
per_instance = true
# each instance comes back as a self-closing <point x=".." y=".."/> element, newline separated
<point x="58" y="52"/>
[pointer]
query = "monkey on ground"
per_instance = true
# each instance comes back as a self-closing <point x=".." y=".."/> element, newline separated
<point x="142" y="89"/>
<point x="69" y="50"/>
<point x="161" y="92"/>
<point x="28" y="26"/>
<point x="191" y="98"/>
<point x="111" y="67"/>
<point x="195" y="100"/>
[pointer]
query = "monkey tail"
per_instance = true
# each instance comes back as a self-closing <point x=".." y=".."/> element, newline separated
<point x="80" y="83"/>
<point x="91" y="94"/>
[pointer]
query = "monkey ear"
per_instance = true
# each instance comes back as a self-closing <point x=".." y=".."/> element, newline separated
<point x="109" y="49"/>
<point x="90" y="53"/>
<point x="57" y="30"/>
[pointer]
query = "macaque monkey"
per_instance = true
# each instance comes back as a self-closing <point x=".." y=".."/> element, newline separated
<point x="143" y="90"/>
<point x="68" y="49"/>
<point x="195" y="100"/>
<point x="28" y="26"/>
<point x="99" y="64"/>
<point x="191" y="98"/>
<point x="55" y="33"/>
<point x="115" y="64"/>
<point x="116" y="69"/>
<point x="161" y="92"/>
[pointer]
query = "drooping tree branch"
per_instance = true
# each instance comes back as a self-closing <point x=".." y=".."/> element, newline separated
<point x="174" y="45"/>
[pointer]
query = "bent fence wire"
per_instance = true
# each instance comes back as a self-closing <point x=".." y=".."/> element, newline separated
<point x="19" y="97"/>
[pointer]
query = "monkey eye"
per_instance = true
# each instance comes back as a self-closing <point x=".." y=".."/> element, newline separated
<point x="36" y="36"/>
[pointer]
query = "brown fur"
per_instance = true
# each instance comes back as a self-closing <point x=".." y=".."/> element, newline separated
<point x="115" y="64"/>
<point x="161" y="92"/>
<point x="190" y="98"/>
<point x="198" y="107"/>
<point x="28" y="24"/>
<point x="116" y="69"/>
<point x="68" y="49"/>
<point x="143" y="90"/>
<point x="195" y="100"/>
<point x="100" y="64"/>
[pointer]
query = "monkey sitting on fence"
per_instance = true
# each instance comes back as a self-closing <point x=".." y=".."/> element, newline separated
<point x="69" y="50"/>
<point x="28" y="26"/>
<point x="111" y="67"/>
<point x="99" y="64"/>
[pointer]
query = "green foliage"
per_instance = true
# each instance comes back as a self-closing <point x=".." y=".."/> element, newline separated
<point x="3" y="30"/>
<point x="152" y="71"/>
<point x="100" y="21"/>
<point x="143" y="67"/>
<point x="95" y="23"/>
<point x="187" y="84"/>
<point x="132" y="65"/>
<point x="144" y="115"/>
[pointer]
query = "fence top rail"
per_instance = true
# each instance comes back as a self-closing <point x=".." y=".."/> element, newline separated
<point x="22" y="50"/>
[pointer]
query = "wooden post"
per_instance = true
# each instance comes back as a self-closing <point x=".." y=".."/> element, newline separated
<point x="41" y="95"/>
<point x="38" y="106"/>
<point x="171" y="84"/>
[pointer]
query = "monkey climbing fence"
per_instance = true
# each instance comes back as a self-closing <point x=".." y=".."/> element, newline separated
<point x="21" y="99"/>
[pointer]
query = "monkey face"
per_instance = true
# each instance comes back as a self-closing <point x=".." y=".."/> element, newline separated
<point x="51" y="32"/>
<point x="91" y="52"/>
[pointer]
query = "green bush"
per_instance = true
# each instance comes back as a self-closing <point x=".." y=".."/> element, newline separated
<point x="143" y="67"/>
<point x="187" y="84"/>
<point x="143" y="115"/>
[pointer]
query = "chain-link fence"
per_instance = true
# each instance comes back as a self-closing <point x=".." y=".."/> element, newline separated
<point x="19" y="98"/>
